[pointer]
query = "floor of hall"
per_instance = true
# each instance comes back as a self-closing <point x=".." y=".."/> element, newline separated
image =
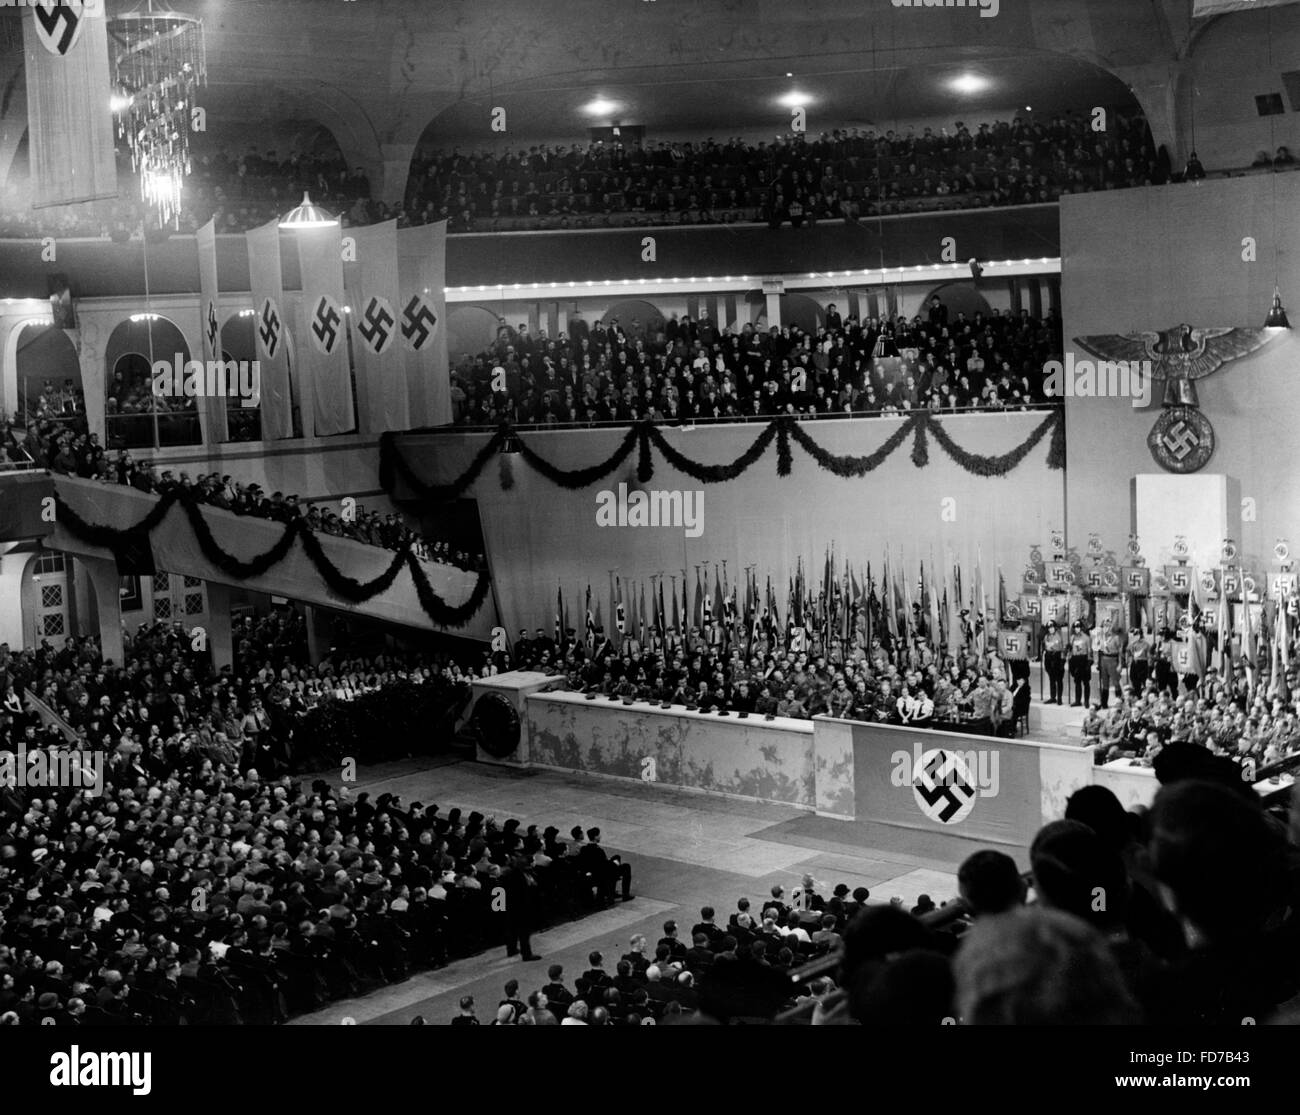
<point x="687" y="850"/>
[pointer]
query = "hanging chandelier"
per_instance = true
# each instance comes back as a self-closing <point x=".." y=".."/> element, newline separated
<point x="158" y="61"/>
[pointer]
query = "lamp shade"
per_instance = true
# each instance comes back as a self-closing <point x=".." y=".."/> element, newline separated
<point x="1277" y="318"/>
<point x="307" y="215"/>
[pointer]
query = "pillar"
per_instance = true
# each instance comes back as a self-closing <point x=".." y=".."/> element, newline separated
<point x="318" y="635"/>
<point x="773" y="288"/>
<point x="396" y="165"/>
<point x="220" y="640"/>
<point x="107" y="582"/>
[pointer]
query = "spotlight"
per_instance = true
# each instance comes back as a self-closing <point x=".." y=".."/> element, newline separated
<point x="599" y="107"/>
<point x="969" y="83"/>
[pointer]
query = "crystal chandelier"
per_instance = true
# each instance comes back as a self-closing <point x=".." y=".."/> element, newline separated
<point x="158" y="61"/>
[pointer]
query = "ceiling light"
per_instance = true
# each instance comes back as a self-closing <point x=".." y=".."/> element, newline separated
<point x="307" y="215"/>
<point x="969" y="83"/>
<point x="794" y="100"/>
<point x="600" y="107"/>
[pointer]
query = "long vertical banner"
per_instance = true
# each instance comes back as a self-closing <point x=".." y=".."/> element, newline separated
<point x="323" y="347"/>
<point x="270" y="329"/>
<point x="422" y="278"/>
<point x="372" y="289"/>
<point x="69" y="122"/>
<point x="212" y="408"/>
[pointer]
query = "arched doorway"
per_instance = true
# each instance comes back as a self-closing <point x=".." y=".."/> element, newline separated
<point x="48" y="375"/>
<point x="135" y="416"/>
<point x="470" y="330"/>
<point x="959" y="298"/>
<point x="641" y="320"/>
<point x="796" y="309"/>
<point x="238" y="344"/>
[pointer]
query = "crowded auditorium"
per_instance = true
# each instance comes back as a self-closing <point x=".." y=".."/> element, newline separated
<point x="650" y="513"/>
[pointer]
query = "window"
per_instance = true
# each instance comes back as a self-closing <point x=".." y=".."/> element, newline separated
<point x="194" y="603"/>
<point x="162" y="607"/>
<point x="52" y="624"/>
<point x="162" y="583"/>
<point x="51" y="596"/>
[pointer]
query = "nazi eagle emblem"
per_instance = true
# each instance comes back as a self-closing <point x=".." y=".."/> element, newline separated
<point x="1182" y="439"/>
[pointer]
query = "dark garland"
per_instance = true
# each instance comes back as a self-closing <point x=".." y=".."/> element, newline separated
<point x="338" y="582"/>
<point x="852" y="467"/>
<point x="997" y="466"/>
<point x="643" y="435"/>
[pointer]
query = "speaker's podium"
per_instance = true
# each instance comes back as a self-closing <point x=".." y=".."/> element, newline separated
<point x="497" y="713"/>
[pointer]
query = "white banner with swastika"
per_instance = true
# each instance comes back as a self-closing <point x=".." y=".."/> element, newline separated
<point x="270" y="329"/>
<point x="324" y="357"/>
<point x="382" y="399"/>
<point x="421" y="313"/>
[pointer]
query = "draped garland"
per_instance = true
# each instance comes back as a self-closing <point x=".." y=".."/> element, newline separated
<point x="645" y="435"/>
<point x="349" y="588"/>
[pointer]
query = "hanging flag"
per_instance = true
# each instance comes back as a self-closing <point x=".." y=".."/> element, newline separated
<point x="591" y="620"/>
<point x="641" y="617"/>
<point x="663" y="615"/>
<point x="323" y="346"/>
<point x="271" y="331"/>
<point x="559" y="615"/>
<point x="69" y="122"/>
<point x="719" y="609"/>
<point x="1224" y="629"/>
<point x="212" y="404"/>
<point x="698" y="614"/>
<point x="373" y="293"/>
<point x="1247" y="629"/>
<point x="677" y="621"/>
<point x="422" y="280"/>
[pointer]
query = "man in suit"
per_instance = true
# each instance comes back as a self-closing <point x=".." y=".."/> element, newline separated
<point x="706" y="925"/>
<point x="605" y="872"/>
<point x="521" y="890"/>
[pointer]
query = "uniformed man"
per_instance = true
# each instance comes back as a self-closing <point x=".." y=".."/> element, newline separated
<point x="1139" y="660"/>
<point x="1080" y="665"/>
<point x="1054" y="662"/>
<point x="1112" y="644"/>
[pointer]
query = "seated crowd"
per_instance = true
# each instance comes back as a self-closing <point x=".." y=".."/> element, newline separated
<point x="872" y="679"/>
<point x="77" y="453"/>
<point x="682" y="370"/>
<point x="206" y="885"/>
<point x="1198" y="925"/>
<point x="847" y="173"/>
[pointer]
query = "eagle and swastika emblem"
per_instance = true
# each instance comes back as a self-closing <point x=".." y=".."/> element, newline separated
<point x="944" y="786"/>
<point x="377" y="325"/>
<point x="270" y="329"/>
<point x="1182" y="440"/>
<point x="325" y="325"/>
<point x="418" y="323"/>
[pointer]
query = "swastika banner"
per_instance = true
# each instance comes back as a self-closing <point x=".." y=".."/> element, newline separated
<point x="70" y="125"/>
<point x="382" y="399"/>
<point x="323" y="350"/>
<point x="422" y="315"/>
<point x="270" y="329"/>
<point x="212" y="408"/>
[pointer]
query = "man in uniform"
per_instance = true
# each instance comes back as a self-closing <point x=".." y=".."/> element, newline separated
<point x="1054" y="662"/>
<point x="1080" y="665"/>
<point x="1112" y="644"/>
<point x="1139" y="660"/>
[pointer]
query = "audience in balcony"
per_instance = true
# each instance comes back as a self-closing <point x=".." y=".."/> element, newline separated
<point x="684" y="370"/>
<point x="846" y="173"/>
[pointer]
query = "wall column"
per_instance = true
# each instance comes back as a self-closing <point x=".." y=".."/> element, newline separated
<point x="107" y="583"/>
<point x="220" y="640"/>
<point x="773" y="288"/>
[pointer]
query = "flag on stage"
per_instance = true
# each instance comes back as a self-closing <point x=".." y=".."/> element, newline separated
<point x="677" y="619"/>
<point x="697" y="615"/>
<point x="641" y="617"/>
<point x="559" y="615"/>
<point x="70" y="132"/>
<point x="212" y="405"/>
<point x="591" y="621"/>
<point x="620" y="612"/>
<point x="323" y="348"/>
<point x="719" y="608"/>
<point x="422" y="279"/>
<point x="270" y="329"/>
<point x="373" y="293"/>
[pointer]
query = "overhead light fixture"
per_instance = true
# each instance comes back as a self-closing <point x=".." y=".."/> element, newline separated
<point x="788" y="74"/>
<point x="1277" y="318"/>
<point x="600" y="107"/>
<point x="307" y="215"/>
<point x="969" y="83"/>
<point x="794" y="99"/>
